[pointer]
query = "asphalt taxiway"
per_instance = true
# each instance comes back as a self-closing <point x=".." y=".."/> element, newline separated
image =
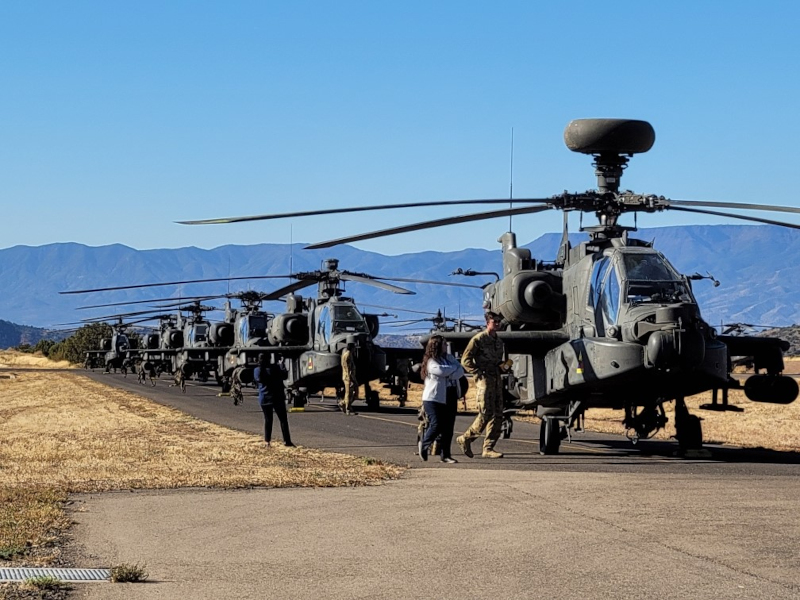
<point x="390" y="434"/>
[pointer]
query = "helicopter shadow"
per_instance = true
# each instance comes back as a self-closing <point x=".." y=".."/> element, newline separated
<point x="718" y="453"/>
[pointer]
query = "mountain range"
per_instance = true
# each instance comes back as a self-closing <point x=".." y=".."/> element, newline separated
<point x="760" y="279"/>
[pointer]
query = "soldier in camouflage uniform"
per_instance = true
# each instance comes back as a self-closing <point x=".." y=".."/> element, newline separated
<point x="349" y="379"/>
<point x="483" y="359"/>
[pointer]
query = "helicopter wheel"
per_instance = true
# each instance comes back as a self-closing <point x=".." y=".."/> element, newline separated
<point x="688" y="429"/>
<point x="507" y="427"/>
<point x="549" y="436"/>
<point x="299" y="399"/>
<point x="373" y="400"/>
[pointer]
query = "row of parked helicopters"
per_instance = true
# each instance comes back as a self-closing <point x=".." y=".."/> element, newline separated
<point x="308" y="337"/>
<point x="609" y="323"/>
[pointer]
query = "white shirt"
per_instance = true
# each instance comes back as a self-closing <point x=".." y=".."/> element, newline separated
<point x="442" y="372"/>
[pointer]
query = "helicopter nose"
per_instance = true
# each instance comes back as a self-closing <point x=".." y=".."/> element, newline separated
<point x="676" y="348"/>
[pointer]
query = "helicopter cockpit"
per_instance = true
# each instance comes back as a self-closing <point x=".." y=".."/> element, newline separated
<point x="198" y="334"/>
<point x="122" y="343"/>
<point x="632" y="277"/>
<point x="252" y="328"/>
<point x="347" y="319"/>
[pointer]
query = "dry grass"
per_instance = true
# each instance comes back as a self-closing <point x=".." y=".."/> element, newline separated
<point x="64" y="433"/>
<point x="11" y="359"/>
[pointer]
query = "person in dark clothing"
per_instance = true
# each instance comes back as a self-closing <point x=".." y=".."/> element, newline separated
<point x="269" y="378"/>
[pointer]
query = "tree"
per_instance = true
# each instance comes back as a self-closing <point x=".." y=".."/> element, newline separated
<point x="74" y="347"/>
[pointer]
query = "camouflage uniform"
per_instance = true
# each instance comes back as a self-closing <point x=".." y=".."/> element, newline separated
<point x="349" y="380"/>
<point x="482" y="359"/>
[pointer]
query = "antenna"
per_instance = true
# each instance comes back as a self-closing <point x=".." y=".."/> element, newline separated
<point x="511" y="181"/>
<point x="291" y="251"/>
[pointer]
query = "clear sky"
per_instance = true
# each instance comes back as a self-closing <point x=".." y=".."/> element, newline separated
<point x="119" y="118"/>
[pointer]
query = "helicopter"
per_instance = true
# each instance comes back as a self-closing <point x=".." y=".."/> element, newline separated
<point x="309" y="336"/>
<point x="116" y="351"/>
<point x="610" y="322"/>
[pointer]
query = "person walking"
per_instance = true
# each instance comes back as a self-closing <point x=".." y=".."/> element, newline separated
<point x="441" y="373"/>
<point x="269" y="378"/>
<point x="483" y="358"/>
<point x="349" y="379"/>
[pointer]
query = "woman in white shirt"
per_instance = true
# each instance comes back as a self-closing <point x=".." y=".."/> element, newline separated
<point x="441" y="373"/>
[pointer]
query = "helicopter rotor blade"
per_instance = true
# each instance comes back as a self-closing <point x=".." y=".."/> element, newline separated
<point x="736" y="205"/>
<point x="352" y="209"/>
<point x="431" y="282"/>
<point x="289" y="289"/>
<point x="373" y="282"/>
<point x="735" y="216"/>
<point x="419" y="312"/>
<point x="527" y="210"/>
<point x="185" y="299"/>
<point x="146" y="285"/>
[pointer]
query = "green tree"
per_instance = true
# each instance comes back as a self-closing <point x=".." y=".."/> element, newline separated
<point x="74" y="347"/>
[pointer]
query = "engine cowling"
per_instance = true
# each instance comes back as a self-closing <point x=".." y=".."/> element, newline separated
<point x="528" y="297"/>
<point x="221" y="334"/>
<point x="289" y="329"/>
<point x="175" y="339"/>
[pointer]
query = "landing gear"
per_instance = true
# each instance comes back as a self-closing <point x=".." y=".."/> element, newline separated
<point x="688" y="430"/>
<point x="372" y="398"/>
<point x="298" y="398"/>
<point x="549" y="435"/>
<point x="508" y="425"/>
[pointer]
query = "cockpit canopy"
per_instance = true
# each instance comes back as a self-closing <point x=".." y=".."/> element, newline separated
<point x="631" y="277"/>
<point x="340" y="318"/>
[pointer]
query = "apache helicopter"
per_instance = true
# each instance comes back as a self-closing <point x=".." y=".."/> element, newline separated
<point x="310" y="335"/>
<point x="609" y="323"/>
<point x="182" y="345"/>
<point x="313" y="332"/>
<point x="116" y="351"/>
<point x="440" y="323"/>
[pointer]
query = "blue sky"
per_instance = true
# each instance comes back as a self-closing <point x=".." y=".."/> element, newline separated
<point x="120" y="118"/>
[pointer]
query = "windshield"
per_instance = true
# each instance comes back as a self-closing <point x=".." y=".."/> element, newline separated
<point x="650" y="278"/>
<point x="604" y="293"/>
<point x="347" y="318"/>
<point x="257" y="326"/>
<point x="122" y="342"/>
<point x="198" y="333"/>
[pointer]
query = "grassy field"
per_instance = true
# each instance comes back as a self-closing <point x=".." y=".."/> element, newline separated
<point x="11" y="359"/>
<point x="64" y="433"/>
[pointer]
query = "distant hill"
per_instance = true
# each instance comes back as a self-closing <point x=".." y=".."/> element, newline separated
<point x="12" y="334"/>
<point x="760" y="279"/>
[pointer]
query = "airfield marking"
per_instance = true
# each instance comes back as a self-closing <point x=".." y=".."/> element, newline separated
<point x="389" y="420"/>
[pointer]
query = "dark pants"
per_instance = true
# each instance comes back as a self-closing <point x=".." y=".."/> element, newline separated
<point x="441" y="422"/>
<point x="280" y="409"/>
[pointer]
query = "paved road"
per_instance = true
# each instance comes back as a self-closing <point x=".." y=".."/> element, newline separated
<point x="391" y="435"/>
<point x="602" y="520"/>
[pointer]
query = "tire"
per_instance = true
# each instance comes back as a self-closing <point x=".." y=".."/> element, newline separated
<point x="549" y="436"/>
<point x="508" y="427"/>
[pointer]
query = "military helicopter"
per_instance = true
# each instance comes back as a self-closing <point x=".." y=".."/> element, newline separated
<point x="610" y="322"/>
<point x="116" y="351"/>
<point x="310" y="335"/>
<point x="440" y="323"/>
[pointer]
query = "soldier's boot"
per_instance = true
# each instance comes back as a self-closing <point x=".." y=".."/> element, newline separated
<point x="491" y="453"/>
<point x="465" y="444"/>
